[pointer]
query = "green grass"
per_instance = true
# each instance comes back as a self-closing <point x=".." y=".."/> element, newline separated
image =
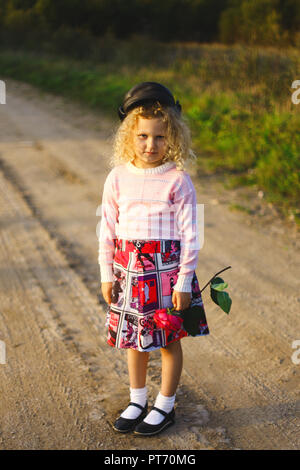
<point x="237" y="101"/>
<point x="239" y="207"/>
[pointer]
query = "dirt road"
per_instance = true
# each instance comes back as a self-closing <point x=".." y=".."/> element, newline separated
<point x="61" y="385"/>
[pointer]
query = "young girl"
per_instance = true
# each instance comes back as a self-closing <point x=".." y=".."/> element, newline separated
<point x="148" y="247"/>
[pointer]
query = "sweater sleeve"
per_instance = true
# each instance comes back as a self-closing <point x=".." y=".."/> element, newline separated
<point x="185" y="201"/>
<point x="109" y="218"/>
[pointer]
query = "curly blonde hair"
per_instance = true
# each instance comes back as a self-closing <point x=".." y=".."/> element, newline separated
<point x="178" y="135"/>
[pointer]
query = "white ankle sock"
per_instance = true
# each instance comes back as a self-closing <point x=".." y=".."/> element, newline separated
<point x="163" y="403"/>
<point x="139" y="396"/>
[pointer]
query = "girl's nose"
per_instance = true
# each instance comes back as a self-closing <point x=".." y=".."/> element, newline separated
<point x="151" y="144"/>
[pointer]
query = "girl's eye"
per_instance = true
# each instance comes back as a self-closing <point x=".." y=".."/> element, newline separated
<point x="158" y="136"/>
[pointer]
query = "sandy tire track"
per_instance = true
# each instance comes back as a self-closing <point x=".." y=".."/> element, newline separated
<point x="50" y="377"/>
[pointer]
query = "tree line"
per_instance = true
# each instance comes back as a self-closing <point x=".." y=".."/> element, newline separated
<point x="266" y="22"/>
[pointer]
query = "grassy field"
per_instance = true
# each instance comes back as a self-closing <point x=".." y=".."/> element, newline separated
<point x="237" y="100"/>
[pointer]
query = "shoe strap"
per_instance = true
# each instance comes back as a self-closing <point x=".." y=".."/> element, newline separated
<point x="137" y="405"/>
<point x="164" y="413"/>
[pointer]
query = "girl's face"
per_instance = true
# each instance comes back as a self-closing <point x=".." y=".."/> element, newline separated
<point x="150" y="142"/>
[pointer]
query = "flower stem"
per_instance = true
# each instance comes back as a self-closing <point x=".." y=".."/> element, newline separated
<point x="214" y="277"/>
<point x="171" y="311"/>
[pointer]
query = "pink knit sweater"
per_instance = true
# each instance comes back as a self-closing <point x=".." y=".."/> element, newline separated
<point x="152" y="203"/>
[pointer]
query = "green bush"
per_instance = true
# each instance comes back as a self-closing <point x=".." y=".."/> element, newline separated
<point x="252" y="22"/>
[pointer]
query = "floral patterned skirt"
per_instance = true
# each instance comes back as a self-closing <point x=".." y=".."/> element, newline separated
<point x="144" y="273"/>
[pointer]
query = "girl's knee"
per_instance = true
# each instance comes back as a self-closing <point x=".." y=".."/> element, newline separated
<point x="175" y="346"/>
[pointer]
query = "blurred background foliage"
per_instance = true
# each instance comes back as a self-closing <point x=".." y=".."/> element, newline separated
<point x="231" y="63"/>
<point x="265" y="22"/>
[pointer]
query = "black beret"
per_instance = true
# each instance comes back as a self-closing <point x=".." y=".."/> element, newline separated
<point x="147" y="93"/>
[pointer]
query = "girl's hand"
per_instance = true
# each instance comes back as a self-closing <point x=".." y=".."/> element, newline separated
<point x="181" y="300"/>
<point x="106" y="288"/>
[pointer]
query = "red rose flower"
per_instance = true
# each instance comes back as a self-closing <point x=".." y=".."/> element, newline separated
<point x="166" y="320"/>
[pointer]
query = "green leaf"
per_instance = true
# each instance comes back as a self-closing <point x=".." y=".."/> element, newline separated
<point x="217" y="294"/>
<point x="216" y="280"/>
<point x="220" y="286"/>
<point x="214" y="296"/>
<point x="213" y="291"/>
<point x="224" y="301"/>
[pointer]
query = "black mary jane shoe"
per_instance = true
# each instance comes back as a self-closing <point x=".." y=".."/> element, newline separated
<point x="126" y="425"/>
<point x="145" y="429"/>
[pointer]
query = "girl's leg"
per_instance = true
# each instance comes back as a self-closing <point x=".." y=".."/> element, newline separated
<point x="172" y="361"/>
<point x="137" y="368"/>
